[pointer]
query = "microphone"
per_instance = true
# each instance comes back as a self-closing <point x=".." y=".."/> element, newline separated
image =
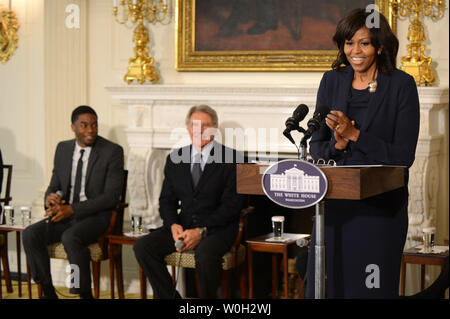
<point x="315" y="122"/>
<point x="292" y="122"/>
<point x="179" y="244"/>
<point x="301" y="242"/>
<point x="60" y="194"/>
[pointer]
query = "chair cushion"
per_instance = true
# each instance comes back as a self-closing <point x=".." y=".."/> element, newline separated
<point x="188" y="259"/>
<point x="57" y="251"/>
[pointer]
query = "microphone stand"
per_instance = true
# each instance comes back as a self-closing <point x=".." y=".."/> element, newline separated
<point x="319" y="248"/>
<point x="302" y="146"/>
<point x="303" y="149"/>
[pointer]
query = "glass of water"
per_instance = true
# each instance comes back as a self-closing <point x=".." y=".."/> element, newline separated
<point x="428" y="239"/>
<point x="136" y="224"/>
<point x="9" y="215"/>
<point x="26" y="215"/>
<point x="278" y="226"/>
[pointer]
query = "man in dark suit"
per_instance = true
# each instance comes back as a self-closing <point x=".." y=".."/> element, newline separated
<point x="86" y="184"/>
<point x="200" y="180"/>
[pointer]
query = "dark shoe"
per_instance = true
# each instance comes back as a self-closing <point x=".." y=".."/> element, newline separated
<point x="48" y="292"/>
<point x="87" y="295"/>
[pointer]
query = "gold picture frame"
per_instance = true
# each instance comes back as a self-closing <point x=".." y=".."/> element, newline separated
<point x="191" y="58"/>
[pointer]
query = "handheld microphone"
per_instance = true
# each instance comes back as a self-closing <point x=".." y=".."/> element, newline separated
<point x="301" y="242"/>
<point x="292" y="122"/>
<point x="317" y="119"/>
<point x="60" y="194"/>
<point x="179" y="244"/>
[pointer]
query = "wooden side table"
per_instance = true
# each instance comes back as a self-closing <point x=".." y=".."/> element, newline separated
<point x="412" y="256"/>
<point x="18" y="229"/>
<point x="115" y="240"/>
<point x="260" y="244"/>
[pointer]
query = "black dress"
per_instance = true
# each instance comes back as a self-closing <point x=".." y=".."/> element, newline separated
<point x="363" y="239"/>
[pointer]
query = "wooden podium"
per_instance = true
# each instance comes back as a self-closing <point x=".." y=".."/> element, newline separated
<point x="354" y="183"/>
<point x="343" y="183"/>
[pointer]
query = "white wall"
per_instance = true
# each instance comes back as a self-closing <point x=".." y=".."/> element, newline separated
<point x="56" y="69"/>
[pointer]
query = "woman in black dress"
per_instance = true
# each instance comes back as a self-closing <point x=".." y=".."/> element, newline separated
<point x="374" y="119"/>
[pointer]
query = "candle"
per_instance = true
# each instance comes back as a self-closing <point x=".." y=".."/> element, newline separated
<point x="9" y="5"/>
<point x="134" y="2"/>
<point x="115" y="3"/>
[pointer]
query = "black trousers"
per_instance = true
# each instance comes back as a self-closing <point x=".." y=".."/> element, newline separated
<point x="76" y="236"/>
<point x="151" y="249"/>
<point x="364" y="243"/>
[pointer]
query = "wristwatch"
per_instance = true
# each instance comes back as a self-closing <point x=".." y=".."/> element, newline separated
<point x="203" y="231"/>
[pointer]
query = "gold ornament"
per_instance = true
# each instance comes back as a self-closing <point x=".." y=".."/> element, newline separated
<point x="8" y="34"/>
<point x="416" y="62"/>
<point x="141" y="66"/>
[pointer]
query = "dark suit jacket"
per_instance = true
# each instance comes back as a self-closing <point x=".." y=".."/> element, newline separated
<point x="390" y="130"/>
<point x="104" y="177"/>
<point x="214" y="203"/>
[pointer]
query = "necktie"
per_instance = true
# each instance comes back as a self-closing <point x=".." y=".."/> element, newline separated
<point x="196" y="169"/>
<point x="77" y="187"/>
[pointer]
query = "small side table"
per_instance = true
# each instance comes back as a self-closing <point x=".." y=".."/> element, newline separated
<point x="275" y="247"/>
<point x="18" y="229"/>
<point x="123" y="240"/>
<point x="412" y="256"/>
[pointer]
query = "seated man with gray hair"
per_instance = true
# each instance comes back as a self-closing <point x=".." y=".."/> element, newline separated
<point x="201" y="180"/>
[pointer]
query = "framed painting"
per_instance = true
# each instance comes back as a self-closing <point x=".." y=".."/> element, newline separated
<point x="261" y="35"/>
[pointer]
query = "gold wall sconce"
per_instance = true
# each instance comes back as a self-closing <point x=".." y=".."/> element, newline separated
<point x="141" y="66"/>
<point x="8" y="33"/>
<point x="416" y="62"/>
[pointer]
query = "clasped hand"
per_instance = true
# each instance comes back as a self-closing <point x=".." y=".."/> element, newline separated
<point x="191" y="237"/>
<point x="57" y="208"/>
<point x="344" y="129"/>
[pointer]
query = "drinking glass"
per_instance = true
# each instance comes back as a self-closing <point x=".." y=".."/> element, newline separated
<point x="278" y="226"/>
<point x="26" y="215"/>
<point x="428" y="239"/>
<point x="9" y="215"/>
<point x="136" y="224"/>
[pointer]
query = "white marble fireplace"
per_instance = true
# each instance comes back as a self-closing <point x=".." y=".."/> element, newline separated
<point x="156" y="116"/>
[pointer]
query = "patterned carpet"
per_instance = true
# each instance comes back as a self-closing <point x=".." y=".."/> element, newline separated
<point x="62" y="292"/>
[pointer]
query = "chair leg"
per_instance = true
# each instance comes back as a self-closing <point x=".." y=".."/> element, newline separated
<point x="402" y="277"/>
<point x="225" y="285"/>
<point x="243" y="280"/>
<point x="1" y="289"/>
<point x="96" y="277"/>
<point x="173" y="275"/>
<point x="6" y="272"/>
<point x="39" y="291"/>
<point x="119" y="274"/>
<point x="300" y="285"/>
